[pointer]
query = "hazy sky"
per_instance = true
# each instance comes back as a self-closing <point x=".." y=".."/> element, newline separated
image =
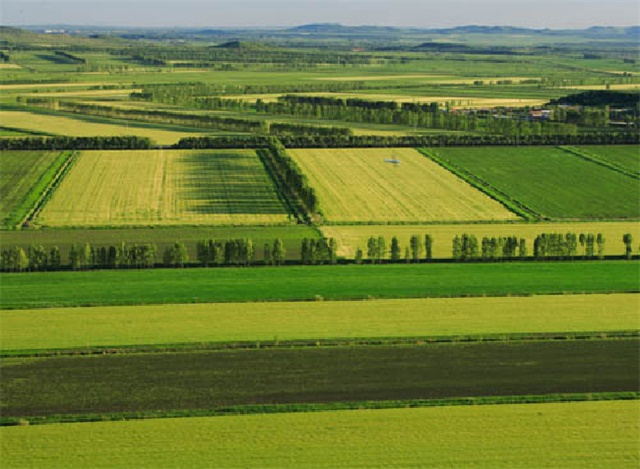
<point x="426" y="13"/>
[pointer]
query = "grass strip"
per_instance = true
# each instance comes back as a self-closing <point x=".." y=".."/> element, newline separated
<point x="321" y="407"/>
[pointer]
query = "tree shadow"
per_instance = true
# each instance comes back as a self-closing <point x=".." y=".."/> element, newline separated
<point x="224" y="182"/>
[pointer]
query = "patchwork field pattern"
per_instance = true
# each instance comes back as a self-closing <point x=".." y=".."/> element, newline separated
<point x="350" y="238"/>
<point x="158" y="187"/>
<point x="62" y="125"/>
<point x="21" y="171"/>
<point x="575" y="434"/>
<point x="550" y="181"/>
<point x="361" y="185"/>
<point x="281" y="321"/>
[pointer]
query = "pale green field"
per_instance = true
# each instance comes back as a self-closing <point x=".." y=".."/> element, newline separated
<point x="163" y="324"/>
<point x="556" y="435"/>
<point x="60" y="125"/>
<point x="353" y="237"/>
<point x="358" y="185"/>
<point x="165" y="187"/>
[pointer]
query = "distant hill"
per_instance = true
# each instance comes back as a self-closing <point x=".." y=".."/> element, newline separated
<point x="12" y="37"/>
<point x="594" y="31"/>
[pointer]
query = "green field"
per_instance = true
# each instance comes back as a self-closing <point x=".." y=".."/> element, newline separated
<point x="360" y="185"/>
<point x="352" y="237"/>
<point x="157" y="286"/>
<point x="568" y="435"/>
<point x="624" y="156"/>
<point x="206" y="380"/>
<point x="282" y="321"/>
<point x="550" y="181"/>
<point x="24" y="175"/>
<point x="162" y="236"/>
<point x="165" y="187"/>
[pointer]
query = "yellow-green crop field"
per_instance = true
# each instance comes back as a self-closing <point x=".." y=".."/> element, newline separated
<point x="164" y="187"/>
<point x="358" y="185"/>
<point x="350" y="238"/>
<point x="228" y="322"/>
<point x="87" y="93"/>
<point x="61" y="125"/>
<point x="20" y="86"/>
<point x="554" y="435"/>
<point x="613" y="86"/>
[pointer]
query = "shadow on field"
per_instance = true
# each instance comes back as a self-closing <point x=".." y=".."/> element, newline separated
<point x="227" y="183"/>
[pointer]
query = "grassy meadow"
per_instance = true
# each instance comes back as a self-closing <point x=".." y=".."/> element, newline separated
<point x="352" y="237"/>
<point x="569" y="435"/>
<point x="158" y="286"/>
<point x="163" y="187"/>
<point x="550" y="181"/>
<point x="281" y="321"/>
<point x="209" y="379"/>
<point x="358" y="185"/>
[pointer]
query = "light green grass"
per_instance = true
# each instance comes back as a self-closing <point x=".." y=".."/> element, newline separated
<point x="77" y="127"/>
<point x="218" y="322"/>
<point x="361" y="185"/>
<point x="554" y="435"/>
<point x="551" y="182"/>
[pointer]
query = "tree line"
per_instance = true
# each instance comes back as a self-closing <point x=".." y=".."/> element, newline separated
<point x="444" y="140"/>
<point x="290" y="179"/>
<point x="313" y="251"/>
<point x="316" y="141"/>
<point x="412" y="115"/>
<point x="128" y="142"/>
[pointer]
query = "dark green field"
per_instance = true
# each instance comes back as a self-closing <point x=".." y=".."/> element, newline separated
<point x="550" y="182"/>
<point x="48" y="289"/>
<point x="204" y="380"/>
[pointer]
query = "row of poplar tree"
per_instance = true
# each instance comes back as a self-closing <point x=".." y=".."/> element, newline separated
<point x="313" y="251"/>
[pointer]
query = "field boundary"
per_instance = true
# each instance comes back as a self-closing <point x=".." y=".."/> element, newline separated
<point x="40" y="190"/>
<point x="322" y="342"/>
<point x="322" y="407"/>
<point x="61" y="172"/>
<point x="508" y="202"/>
<point x="594" y="159"/>
<point x="285" y="193"/>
